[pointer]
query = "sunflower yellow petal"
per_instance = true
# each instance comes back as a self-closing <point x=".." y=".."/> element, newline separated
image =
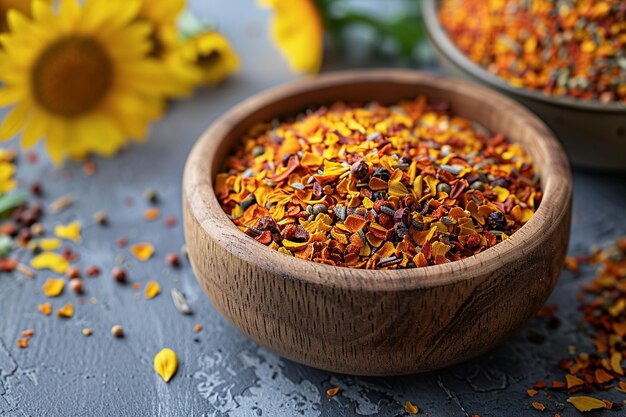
<point x="13" y="121"/>
<point x="298" y="31"/>
<point x="50" y="260"/>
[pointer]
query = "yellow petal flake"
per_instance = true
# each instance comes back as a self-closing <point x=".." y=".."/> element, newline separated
<point x="152" y="289"/>
<point x="53" y="287"/>
<point x="616" y="363"/>
<point x="585" y="403"/>
<point x="70" y="231"/>
<point x="50" y="260"/>
<point x="49" y="244"/>
<point x="142" y="251"/>
<point x="66" y="311"/>
<point x="166" y="364"/>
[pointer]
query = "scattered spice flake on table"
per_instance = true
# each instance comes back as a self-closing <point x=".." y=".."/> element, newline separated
<point x="151" y="214"/>
<point x="378" y="187"/>
<point x="411" y="408"/>
<point x="53" y="287"/>
<point x="62" y="203"/>
<point x="539" y="406"/>
<point x="142" y="251"/>
<point x="331" y="392"/>
<point x="70" y="231"/>
<point x="152" y="289"/>
<point x="45" y="308"/>
<point x="166" y="364"/>
<point x="50" y="260"/>
<point x="584" y="403"/>
<point x="573" y="48"/>
<point x="67" y="311"/>
<point x="603" y="304"/>
<point x="48" y="244"/>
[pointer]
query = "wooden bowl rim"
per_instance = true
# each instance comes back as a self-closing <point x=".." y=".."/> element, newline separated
<point x="442" y="42"/>
<point x="200" y="196"/>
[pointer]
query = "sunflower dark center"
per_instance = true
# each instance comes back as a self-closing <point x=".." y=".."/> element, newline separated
<point x="72" y="76"/>
<point x="208" y="60"/>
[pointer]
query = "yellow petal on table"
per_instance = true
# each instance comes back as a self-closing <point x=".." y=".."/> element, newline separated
<point x="152" y="289"/>
<point x="411" y="408"/>
<point x="49" y="244"/>
<point x="66" y="311"/>
<point x="616" y="363"/>
<point x="50" y="260"/>
<point x="70" y="231"/>
<point x="142" y="251"/>
<point x="45" y="308"/>
<point x="53" y="287"/>
<point x="584" y="403"/>
<point x="166" y="364"/>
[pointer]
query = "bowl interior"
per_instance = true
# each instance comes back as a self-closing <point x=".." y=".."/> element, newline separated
<point x="493" y="111"/>
<point x="443" y="43"/>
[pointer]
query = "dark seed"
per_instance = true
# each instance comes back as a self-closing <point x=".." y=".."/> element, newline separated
<point x="119" y="275"/>
<point x="359" y="169"/>
<point x="497" y="221"/>
<point x="172" y="259"/>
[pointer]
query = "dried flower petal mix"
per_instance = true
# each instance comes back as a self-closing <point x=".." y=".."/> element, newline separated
<point x="560" y="47"/>
<point x="378" y="187"/>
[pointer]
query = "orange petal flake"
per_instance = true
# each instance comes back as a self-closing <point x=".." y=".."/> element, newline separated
<point x="66" y="311"/>
<point x="539" y="406"/>
<point x="411" y="408"/>
<point x="45" y="308"/>
<point x="142" y="251"/>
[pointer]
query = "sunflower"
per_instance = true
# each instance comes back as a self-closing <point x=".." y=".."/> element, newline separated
<point x="298" y="29"/>
<point x="212" y="56"/>
<point x="6" y="5"/>
<point x="166" y="42"/>
<point x="79" y="78"/>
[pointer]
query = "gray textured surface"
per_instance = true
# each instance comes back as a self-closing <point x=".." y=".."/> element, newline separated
<point x="222" y="373"/>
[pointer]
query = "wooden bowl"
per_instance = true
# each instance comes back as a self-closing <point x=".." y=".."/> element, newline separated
<point x="377" y="322"/>
<point x="593" y="134"/>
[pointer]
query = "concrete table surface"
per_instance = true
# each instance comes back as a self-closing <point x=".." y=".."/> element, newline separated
<point x="221" y="372"/>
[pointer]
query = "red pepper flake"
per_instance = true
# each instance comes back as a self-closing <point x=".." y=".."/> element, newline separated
<point x="121" y="242"/>
<point x="543" y="46"/>
<point x="170" y="221"/>
<point x="92" y="271"/>
<point x="342" y="186"/>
